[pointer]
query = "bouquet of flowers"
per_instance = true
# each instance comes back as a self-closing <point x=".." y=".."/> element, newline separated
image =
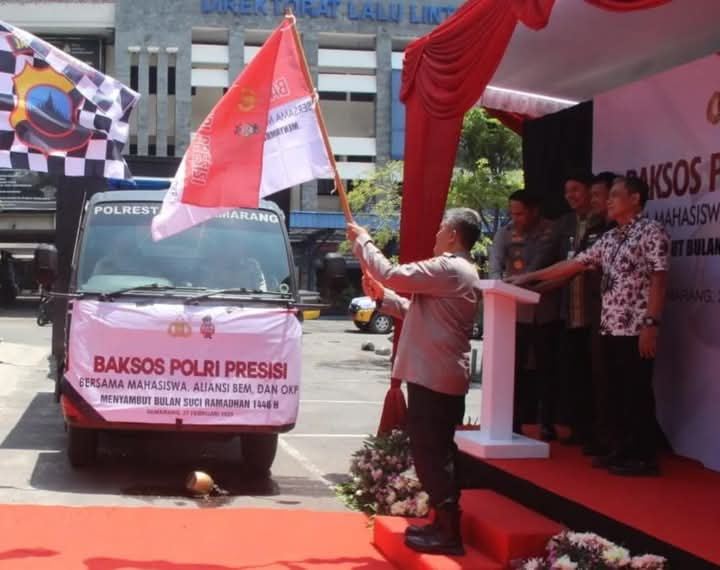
<point x="587" y="551"/>
<point x="381" y="482"/>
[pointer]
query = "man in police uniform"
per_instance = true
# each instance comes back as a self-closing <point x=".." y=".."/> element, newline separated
<point x="529" y="243"/>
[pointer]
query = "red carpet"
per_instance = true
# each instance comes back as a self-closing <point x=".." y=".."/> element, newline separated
<point x="681" y="507"/>
<point x="100" y="538"/>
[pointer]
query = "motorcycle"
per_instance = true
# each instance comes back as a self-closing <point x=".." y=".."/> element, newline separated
<point x="45" y="268"/>
<point x="44" y="314"/>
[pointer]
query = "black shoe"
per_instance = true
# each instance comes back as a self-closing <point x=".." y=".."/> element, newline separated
<point x="548" y="433"/>
<point x="435" y="543"/>
<point x="445" y="538"/>
<point x="420" y="529"/>
<point x="635" y="468"/>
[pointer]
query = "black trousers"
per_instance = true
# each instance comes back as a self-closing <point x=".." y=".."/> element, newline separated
<point x="632" y="417"/>
<point x="432" y="419"/>
<point x="578" y="347"/>
<point x="536" y="386"/>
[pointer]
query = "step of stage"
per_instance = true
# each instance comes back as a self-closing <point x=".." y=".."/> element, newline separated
<point x="389" y="539"/>
<point x="496" y="531"/>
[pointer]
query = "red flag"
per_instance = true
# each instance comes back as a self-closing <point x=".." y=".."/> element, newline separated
<point x="231" y="137"/>
<point x="263" y="136"/>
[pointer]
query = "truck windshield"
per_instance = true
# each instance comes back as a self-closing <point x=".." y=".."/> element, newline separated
<point x="240" y="249"/>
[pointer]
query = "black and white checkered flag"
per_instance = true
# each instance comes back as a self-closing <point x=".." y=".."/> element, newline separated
<point x="57" y="114"/>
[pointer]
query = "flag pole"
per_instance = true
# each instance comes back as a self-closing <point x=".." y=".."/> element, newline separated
<point x="340" y="187"/>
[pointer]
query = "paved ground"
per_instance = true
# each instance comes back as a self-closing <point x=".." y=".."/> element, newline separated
<point x="343" y="390"/>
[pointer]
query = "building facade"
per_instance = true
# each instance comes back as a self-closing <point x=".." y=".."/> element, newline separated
<point x="181" y="56"/>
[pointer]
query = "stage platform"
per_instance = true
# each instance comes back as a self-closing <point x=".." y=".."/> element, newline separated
<point x="676" y="515"/>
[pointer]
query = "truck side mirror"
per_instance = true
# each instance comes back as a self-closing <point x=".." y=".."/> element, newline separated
<point x="45" y="264"/>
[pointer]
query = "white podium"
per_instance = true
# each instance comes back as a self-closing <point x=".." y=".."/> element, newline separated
<point x="495" y="438"/>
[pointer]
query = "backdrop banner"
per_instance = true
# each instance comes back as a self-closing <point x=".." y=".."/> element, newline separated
<point x="666" y="129"/>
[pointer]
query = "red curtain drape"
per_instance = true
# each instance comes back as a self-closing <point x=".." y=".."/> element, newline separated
<point x="513" y="121"/>
<point x="626" y="5"/>
<point x="444" y="74"/>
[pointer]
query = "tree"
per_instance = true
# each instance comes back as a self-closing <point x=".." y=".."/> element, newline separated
<point x="379" y="196"/>
<point x="489" y="164"/>
<point x="488" y="170"/>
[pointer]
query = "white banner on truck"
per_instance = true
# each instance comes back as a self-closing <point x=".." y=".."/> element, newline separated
<point x="209" y="365"/>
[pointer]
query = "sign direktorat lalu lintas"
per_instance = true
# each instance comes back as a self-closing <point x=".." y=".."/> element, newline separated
<point x="427" y="14"/>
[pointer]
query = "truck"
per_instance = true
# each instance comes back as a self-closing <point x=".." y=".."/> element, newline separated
<point x="197" y="332"/>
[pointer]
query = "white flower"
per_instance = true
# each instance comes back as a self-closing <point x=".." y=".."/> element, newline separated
<point x="410" y="474"/>
<point x="564" y="563"/>
<point x="648" y="562"/>
<point x="398" y="508"/>
<point x="399" y="483"/>
<point x="616" y="555"/>
<point x="359" y="493"/>
<point x="422" y="500"/>
<point x="533" y="564"/>
<point x="588" y="540"/>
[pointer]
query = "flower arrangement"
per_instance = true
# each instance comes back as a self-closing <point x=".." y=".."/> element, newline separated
<point x="381" y="482"/>
<point x="587" y="551"/>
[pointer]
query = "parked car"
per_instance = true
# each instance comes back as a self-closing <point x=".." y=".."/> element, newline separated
<point x="365" y="315"/>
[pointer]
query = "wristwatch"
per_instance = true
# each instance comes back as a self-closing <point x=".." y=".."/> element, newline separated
<point x="649" y="321"/>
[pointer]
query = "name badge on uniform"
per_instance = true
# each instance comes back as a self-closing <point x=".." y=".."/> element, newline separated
<point x="571" y="249"/>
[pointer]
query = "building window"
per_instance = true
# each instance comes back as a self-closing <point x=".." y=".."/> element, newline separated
<point x="325" y="187"/>
<point x="193" y="91"/>
<point x="364" y="97"/>
<point x="352" y="158"/>
<point x="152" y="83"/>
<point x="332" y="96"/>
<point x="134" y="75"/>
<point x="133" y="148"/>
<point x="171" y="150"/>
<point x="171" y="80"/>
<point x="152" y="150"/>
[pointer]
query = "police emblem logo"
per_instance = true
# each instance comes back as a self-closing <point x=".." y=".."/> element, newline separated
<point x="247" y="100"/>
<point x="207" y="328"/>
<point x="246" y="129"/>
<point x="46" y="111"/>
<point x="179" y="328"/>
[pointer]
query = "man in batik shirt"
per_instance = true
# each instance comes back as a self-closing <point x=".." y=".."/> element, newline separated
<point x="634" y="258"/>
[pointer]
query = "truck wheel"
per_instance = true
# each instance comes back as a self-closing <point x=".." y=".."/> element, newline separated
<point x="259" y="451"/>
<point x="81" y="446"/>
<point x="380" y="324"/>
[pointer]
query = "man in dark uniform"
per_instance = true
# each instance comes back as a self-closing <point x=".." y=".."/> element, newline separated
<point x="528" y="243"/>
<point x="580" y="228"/>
